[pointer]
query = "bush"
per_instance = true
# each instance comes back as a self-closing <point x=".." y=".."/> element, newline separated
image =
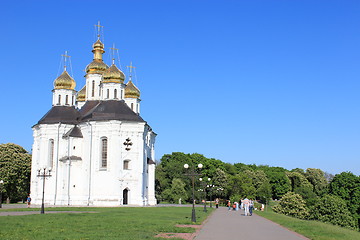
<point x="333" y="209"/>
<point x="292" y="204"/>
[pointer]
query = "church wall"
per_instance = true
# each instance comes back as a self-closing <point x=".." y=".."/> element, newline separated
<point x="89" y="86"/>
<point x="133" y="104"/>
<point x="67" y="97"/>
<point x="111" y="87"/>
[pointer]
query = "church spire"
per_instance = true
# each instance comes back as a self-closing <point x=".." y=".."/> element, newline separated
<point x="64" y="87"/>
<point x="98" y="46"/>
<point x="97" y="65"/>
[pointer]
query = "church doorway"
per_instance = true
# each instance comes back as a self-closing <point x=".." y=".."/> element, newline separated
<point x="125" y="196"/>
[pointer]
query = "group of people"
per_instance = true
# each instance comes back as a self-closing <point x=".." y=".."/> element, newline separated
<point x="246" y="204"/>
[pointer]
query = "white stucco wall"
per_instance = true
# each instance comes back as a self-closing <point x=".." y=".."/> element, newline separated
<point x="84" y="182"/>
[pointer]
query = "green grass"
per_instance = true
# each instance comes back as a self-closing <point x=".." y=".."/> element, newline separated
<point x="311" y="229"/>
<point x="105" y="223"/>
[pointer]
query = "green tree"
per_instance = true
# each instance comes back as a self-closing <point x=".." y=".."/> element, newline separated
<point x="241" y="185"/>
<point x="298" y="180"/>
<point x="346" y="185"/>
<point x="317" y="178"/>
<point x="15" y="169"/>
<point x="220" y="182"/>
<point x="333" y="209"/>
<point x="264" y="192"/>
<point x="280" y="184"/>
<point x="176" y="192"/>
<point x="292" y="204"/>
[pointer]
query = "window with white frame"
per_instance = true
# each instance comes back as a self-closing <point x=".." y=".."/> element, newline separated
<point x="126" y="165"/>
<point x="104" y="152"/>
<point x="51" y="152"/>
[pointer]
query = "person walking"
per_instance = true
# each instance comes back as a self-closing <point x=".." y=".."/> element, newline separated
<point x="217" y="202"/>
<point x="246" y="206"/>
<point x="251" y="206"/>
<point x="229" y="205"/>
<point x="28" y="201"/>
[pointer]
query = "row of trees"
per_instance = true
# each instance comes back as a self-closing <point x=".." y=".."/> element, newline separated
<point x="306" y="194"/>
<point x="15" y="168"/>
<point x="311" y="187"/>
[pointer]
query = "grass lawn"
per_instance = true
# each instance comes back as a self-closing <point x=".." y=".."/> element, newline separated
<point x="311" y="229"/>
<point x="105" y="223"/>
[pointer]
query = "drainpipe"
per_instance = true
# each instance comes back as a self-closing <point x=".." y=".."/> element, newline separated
<point x="89" y="192"/>
<point x="57" y="162"/>
<point x="69" y="170"/>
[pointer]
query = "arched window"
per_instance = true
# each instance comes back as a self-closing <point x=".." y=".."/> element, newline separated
<point x="107" y="93"/>
<point x="51" y="152"/>
<point x="104" y="150"/>
<point x="121" y="96"/>
<point x="115" y="93"/>
<point x="59" y="99"/>
<point x="67" y="100"/>
<point x="132" y="106"/>
<point x="72" y="100"/>
<point x="93" y="89"/>
<point x="126" y="164"/>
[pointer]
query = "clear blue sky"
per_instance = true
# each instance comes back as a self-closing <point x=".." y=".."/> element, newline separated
<point x="264" y="82"/>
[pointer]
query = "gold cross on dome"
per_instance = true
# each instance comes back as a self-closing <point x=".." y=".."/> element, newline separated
<point x="66" y="56"/>
<point x="113" y="49"/>
<point x="131" y="67"/>
<point x="98" y="29"/>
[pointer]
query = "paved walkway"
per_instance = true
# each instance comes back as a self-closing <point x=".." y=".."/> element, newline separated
<point x="233" y="225"/>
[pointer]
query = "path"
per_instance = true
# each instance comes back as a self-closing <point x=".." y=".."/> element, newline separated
<point x="233" y="225"/>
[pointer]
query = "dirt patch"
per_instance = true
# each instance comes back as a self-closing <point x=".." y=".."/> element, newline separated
<point x="186" y="236"/>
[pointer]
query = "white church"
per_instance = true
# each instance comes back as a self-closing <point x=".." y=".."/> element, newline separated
<point x="99" y="151"/>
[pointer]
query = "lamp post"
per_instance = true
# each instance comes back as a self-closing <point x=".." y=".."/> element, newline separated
<point x="210" y="186"/>
<point x="1" y="188"/>
<point x="205" y="186"/>
<point x="192" y="174"/>
<point x="43" y="173"/>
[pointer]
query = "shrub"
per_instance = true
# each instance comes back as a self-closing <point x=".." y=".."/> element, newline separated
<point x="292" y="204"/>
<point x="333" y="209"/>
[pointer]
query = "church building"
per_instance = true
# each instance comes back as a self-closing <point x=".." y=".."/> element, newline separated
<point x="93" y="145"/>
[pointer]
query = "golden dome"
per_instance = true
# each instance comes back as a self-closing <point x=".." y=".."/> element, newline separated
<point x="131" y="91"/>
<point x="98" y="44"/>
<point x="113" y="75"/>
<point x="64" y="81"/>
<point x="81" y="95"/>
<point x="96" y="66"/>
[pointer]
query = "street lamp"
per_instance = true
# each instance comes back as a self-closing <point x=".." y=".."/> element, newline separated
<point x="1" y="188"/>
<point x="205" y="186"/>
<point x="43" y="173"/>
<point x="210" y="186"/>
<point x="192" y="174"/>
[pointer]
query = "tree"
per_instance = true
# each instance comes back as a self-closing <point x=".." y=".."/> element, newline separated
<point x="333" y="209"/>
<point x="292" y="204"/>
<point x="241" y="185"/>
<point x="176" y="192"/>
<point x="298" y="180"/>
<point x="280" y="184"/>
<point x="346" y="185"/>
<point x="317" y="178"/>
<point x="264" y="192"/>
<point x="15" y="169"/>
<point x="220" y="181"/>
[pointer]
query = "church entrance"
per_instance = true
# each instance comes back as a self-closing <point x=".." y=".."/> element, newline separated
<point x="125" y="196"/>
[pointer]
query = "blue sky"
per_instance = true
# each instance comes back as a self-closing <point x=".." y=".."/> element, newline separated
<point x="264" y="82"/>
